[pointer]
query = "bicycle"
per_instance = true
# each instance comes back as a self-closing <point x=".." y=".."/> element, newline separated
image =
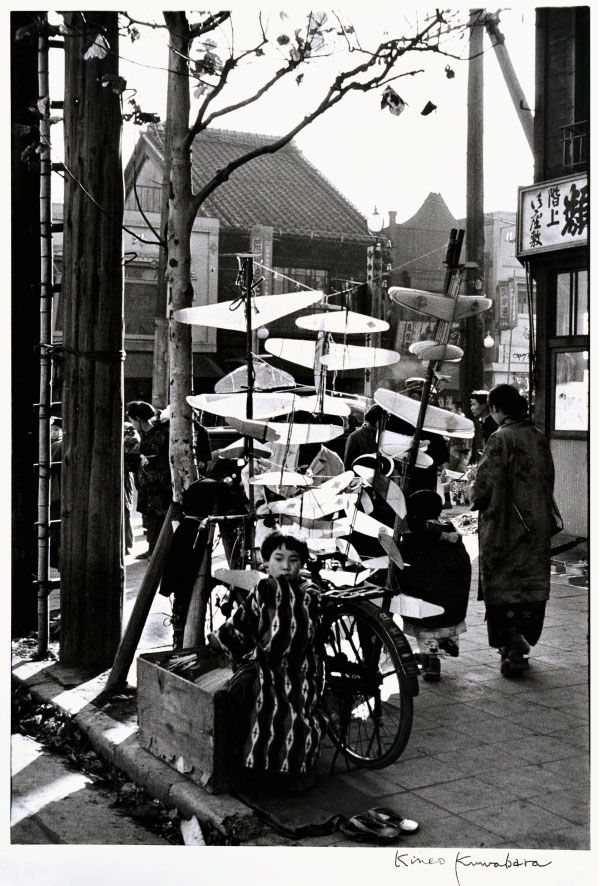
<point x="371" y="678"/>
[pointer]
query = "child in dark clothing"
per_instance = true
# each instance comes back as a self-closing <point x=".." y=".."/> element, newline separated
<point x="437" y="570"/>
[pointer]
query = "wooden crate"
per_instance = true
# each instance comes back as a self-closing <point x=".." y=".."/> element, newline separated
<point x="184" y="723"/>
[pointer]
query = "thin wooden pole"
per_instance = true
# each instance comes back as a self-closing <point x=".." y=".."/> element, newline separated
<point x="45" y="395"/>
<point x="452" y="284"/>
<point x="248" y="280"/>
<point x="143" y="602"/>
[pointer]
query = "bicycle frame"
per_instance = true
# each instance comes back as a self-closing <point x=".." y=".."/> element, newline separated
<point x="410" y="668"/>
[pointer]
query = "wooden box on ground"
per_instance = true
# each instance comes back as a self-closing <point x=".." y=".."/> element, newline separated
<point x="184" y="723"/>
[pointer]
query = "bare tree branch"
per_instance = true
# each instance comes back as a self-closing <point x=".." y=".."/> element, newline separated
<point x="228" y="67"/>
<point x="251" y="99"/>
<point x="388" y="53"/>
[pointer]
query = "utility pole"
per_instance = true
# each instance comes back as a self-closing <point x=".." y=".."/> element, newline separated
<point x="91" y="555"/>
<point x="471" y="375"/>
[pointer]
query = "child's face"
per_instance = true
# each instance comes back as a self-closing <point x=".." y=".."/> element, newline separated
<point x="284" y="563"/>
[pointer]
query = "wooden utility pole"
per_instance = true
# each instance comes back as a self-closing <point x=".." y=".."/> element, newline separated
<point x="25" y="284"/>
<point x="91" y="560"/>
<point x="471" y="367"/>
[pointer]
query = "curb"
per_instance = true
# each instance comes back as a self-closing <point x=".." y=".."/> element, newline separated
<point x="118" y="743"/>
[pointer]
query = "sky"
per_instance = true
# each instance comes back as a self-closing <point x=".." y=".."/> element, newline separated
<point x="373" y="157"/>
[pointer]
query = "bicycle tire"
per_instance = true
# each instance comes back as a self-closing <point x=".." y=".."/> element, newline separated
<point x="368" y="698"/>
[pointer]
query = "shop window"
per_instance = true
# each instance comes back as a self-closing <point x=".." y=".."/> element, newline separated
<point x="293" y="279"/>
<point x="569" y="355"/>
<point x="572" y="304"/>
<point x="571" y="386"/>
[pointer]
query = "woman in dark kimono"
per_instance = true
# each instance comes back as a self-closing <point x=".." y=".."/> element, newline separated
<point x="512" y="491"/>
<point x="273" y="636"/>
<point x="153" y="479"/>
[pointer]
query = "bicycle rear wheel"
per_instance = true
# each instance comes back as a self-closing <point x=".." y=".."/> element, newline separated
<point x="366" y="697"/>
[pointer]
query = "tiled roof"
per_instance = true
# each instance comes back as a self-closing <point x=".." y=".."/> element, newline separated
<point x="282" y="189"/>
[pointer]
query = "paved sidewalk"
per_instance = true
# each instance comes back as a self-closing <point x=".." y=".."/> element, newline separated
<point x="491" y="762"/>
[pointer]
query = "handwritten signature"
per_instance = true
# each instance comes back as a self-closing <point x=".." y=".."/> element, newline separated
<point x="461" y="861"/>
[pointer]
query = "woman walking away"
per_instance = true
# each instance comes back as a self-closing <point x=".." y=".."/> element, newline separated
<point x="153" y="478"/>
<point x="512" y="491"/>
<point x="278" y="674"/>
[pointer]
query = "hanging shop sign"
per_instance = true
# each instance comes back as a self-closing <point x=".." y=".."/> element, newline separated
<point x="506" y="301"/>
<point x="553" y="215"/>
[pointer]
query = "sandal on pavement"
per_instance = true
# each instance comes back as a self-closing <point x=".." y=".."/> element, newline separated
<point x="365" y="828"/>
<point x="388" y="816"/>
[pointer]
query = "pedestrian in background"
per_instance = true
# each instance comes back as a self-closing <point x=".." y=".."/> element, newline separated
<point x="131" y="463"/>
<point x="484" y="422"/>
<point x="513" y="492"/>
<point x="153" y="479"/>
<point x="362" y="441"/>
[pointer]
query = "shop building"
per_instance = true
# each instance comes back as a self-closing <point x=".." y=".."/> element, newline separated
<point x="552" y="244"/>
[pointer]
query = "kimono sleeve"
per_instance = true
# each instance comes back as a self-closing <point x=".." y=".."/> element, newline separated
<point x="491" y="472"/>
<point x="238" y="636"/>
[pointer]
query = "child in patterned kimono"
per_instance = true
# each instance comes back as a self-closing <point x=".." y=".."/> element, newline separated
<point x="278" y="679"/>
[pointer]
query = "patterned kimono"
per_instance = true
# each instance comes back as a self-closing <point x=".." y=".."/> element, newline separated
<point x="512" y="490"/>
<point x="275" y="628"/>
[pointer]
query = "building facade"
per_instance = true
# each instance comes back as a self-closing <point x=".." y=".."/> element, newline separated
<point x="418" y="250"/>
<point x="279" y="207"/>
<point x="552" y="243"/>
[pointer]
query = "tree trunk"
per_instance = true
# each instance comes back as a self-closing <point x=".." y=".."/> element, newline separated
<point x="91" y="562"/>
<point x="160" y="363"/>
<point x="178" y="271"/>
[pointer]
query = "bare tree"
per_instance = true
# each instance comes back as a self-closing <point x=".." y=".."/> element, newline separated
<point x="209" y="76"/>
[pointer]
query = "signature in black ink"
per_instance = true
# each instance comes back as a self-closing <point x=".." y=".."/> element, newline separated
<point x="509" y="862"/>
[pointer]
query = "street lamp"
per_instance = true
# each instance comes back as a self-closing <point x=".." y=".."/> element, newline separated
<point x="488" y="341"/>
<point x="375" y="223"/>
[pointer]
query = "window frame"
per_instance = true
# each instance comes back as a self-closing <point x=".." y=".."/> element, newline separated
<point x="564" y="344"/>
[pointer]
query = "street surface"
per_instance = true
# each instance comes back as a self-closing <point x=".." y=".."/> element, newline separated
<point x="491" y="762"/>
<point x="52" y="803"/>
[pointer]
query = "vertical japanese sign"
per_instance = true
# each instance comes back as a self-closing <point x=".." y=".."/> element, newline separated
<point x="553" y="215"/>
<point x="261" y="245"/>
<point x="506" y="304"/>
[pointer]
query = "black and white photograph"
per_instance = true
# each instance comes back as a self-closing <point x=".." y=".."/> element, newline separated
<point x="299" y="526"/>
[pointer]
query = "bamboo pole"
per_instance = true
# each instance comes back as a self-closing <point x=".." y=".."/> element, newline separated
<point x="143" y="602"/>
<point x="452" y="284"/>
<point x="45" y="391"/>
<point x="248" y="280"/>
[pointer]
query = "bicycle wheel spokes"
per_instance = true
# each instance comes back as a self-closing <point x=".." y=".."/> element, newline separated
<point x="370" y="712"/>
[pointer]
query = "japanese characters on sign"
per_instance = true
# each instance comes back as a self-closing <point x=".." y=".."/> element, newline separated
<point x="506" y="299"/>
<point x="553" y="215"/>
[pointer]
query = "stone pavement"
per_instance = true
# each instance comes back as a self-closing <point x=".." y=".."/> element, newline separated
<point x="491" y="762"/>
<point x="52" y="804"/>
